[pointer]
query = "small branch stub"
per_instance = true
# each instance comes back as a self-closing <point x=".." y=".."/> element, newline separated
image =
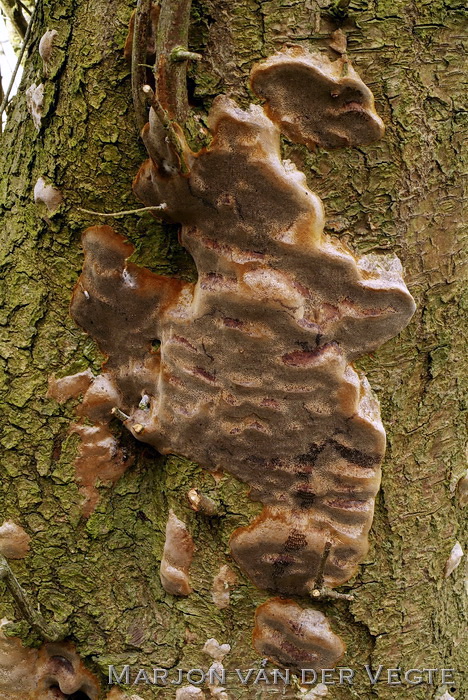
<point x="324" y="593"/>
<point x="170" y="68"/>
<point x="201" y="503"/>
<point x="149" y="92"/>
<point x="180" y="54"/>
<point x="120" y="414"/>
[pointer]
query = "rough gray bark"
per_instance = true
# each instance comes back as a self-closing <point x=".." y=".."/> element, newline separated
<point x="402" y="195"/>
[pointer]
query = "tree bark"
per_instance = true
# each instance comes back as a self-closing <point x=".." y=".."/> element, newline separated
<point x="100" y="575"/>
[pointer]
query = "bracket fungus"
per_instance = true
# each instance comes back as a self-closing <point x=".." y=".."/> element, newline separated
<point x="254" y="371"/>
<point x="177" y="557"/>
<point x="54" y="671"/>
<point x="46" y="48"/>
<point x="317" y="101"/>
<point x="14" y="541"/>
<point x="454" y="560"/>
<point x="35" y="103"/>
<point x="296" y="637"/>
<point x="47" y="194"/>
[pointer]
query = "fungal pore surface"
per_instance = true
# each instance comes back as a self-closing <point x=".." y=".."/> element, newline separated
<point x="253" y="369"/>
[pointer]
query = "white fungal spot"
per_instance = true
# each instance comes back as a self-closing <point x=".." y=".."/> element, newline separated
<point x="190" y="692"/>
<point x="445" y="696"/>
<point x="319" y="691"/>
<point x="48" y="195"/>
<point x="216" y="674"/>
<point x="454" y="559"/>
<point x="35" y="103"/>
<point x="222" y="583"/>
<point x="216" y="650"/>
<point x="117" y="694"/>
<point x="128" y="279"/>
<point x="145" y="402"/>
<point x="14" y="541"/>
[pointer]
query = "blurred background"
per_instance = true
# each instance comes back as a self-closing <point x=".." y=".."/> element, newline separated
<point x="14" y="19"/>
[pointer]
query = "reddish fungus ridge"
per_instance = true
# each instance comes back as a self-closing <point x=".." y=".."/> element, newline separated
<point x="253" y="374"/>
<point x="295" y="637"/>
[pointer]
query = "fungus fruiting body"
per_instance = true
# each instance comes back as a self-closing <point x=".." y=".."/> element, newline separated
<point x="254" y="370"/>
<point x="454" y="560"/>
<point x="177" y="557"/>
<point x="35" y="103"/>
<point x="55" y="670"/>
<point x="100" y="458"/>
<point x="14" y="541"/>
<point x="46" y="48"/>
<point x="47" y="194"/>
<point x="295" y="637"/>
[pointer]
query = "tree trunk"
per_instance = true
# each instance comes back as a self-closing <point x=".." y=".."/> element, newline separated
<point x="100" y="575"/>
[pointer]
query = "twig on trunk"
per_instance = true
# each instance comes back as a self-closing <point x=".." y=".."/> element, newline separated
<point x="126" y="212"/>
<point x="170" y="72"/>
<point x="50" y="631"/>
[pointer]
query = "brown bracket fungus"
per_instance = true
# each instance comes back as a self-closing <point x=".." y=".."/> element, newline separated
<point x="14" y="541"/>
<point x="317" y="101"/>
<point x="254" y="371"/>
<point x="53" y="672"/>
<point x="295" y="637"/>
